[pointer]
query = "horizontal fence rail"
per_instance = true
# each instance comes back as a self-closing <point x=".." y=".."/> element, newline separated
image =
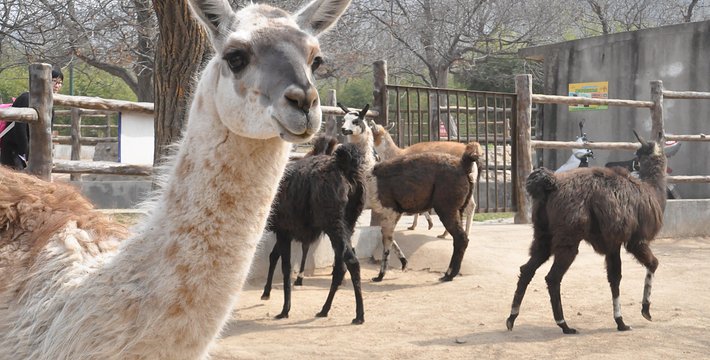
<point x="573" y="100"/>
<point x="25" y="115"/>
<point x="96" y="103"/>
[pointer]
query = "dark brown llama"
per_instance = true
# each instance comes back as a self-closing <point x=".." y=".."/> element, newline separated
<point x="606" y="207"/>
<point x="319" y="194"/>
<point x="415" y="183"/>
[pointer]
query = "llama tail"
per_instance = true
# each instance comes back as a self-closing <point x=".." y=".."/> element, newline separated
<point x="540" y="183"/>
<point x="472" y="154"/>
<point x="323" y="145"/>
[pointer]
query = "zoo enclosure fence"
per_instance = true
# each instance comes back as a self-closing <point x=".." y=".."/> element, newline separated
<point x="525" y="98"/>
<point x="39" y="113"/>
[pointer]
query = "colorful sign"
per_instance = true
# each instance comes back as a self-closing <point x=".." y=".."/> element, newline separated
<point x="593" y="90"/>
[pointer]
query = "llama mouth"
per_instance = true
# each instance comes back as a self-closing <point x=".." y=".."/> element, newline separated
<point x="290" y="136"/>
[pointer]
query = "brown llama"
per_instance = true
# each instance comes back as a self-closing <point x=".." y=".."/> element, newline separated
<point x="419" y="182"/>
<point x="387" y="149"/>
<point x="606" y="207"/>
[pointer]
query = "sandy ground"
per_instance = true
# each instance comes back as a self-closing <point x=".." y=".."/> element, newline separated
<point x="411" y="315"/>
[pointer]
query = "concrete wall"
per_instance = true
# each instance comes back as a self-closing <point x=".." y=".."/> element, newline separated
<point x="678" y="55"/>
<point x="115" y="194"/>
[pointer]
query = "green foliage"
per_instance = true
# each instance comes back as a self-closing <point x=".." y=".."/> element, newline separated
<point x="88" y="81"/>
<point x="13" y="82"/>
<point x="354" y="93"/>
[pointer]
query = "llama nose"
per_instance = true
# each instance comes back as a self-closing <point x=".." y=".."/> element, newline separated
<point x="304" y="99"/>
<point x="346" y="131"/>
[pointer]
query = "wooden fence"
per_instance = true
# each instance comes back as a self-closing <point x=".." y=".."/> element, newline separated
<point x="39" y="116"/>
<point x="523" y="85"/>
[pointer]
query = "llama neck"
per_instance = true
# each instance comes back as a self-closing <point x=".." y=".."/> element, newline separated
<point x="652" y="171"/>
<point x="387" y="148"/>
<point x="367" y="144"/>
<point x="194" y="252"/>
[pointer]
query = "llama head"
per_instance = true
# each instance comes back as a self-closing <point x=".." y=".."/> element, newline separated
<point x="379" y="132"/>
<point x="648" y="148"/>
<point x="354" y="122"/>
<point x="264" y="64"/>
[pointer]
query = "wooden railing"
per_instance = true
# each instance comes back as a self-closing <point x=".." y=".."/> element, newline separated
<point x="39" y="113"/>
<point x="526" y="144"/>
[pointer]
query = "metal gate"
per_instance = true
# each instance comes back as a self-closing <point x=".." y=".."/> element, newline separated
<point x="430" y="114"/>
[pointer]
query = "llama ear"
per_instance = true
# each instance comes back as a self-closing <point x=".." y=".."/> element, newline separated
<point x="640" y="139"/>
<point x="389" y="126"/>
<point x="214" y="15"/>
<point x="363" y="112"/>
<point x="343" y="107"/>
<point x="318" y="15"/>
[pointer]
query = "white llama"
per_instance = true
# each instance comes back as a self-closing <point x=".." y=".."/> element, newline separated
<point x="70" y="288"/>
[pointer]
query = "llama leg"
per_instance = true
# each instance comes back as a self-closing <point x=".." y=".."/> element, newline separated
<point x="613" y="273"/>
<point x="470" y="209"/>
<point x="539" y="253"/>
<point x="643" y="254"/>
<point x="354" y="268"/>
<point x="415" y="221"/>
<point x="284" y="245"/>
<point x="338" y="243"/>
<point x="273" y="258"/>
<point x="452" y="223"/>
<point x="387" y="239"/>
<point x="399" y="253"/>
<point x="429" y="221"/>
<point x="564" y="256"/>
<point x="301" y="271"/>
<point x="397" y="250"/>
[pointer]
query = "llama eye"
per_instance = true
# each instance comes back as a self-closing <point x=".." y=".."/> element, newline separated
<point x="317" y="62"/>
<point x="237" y="60"/>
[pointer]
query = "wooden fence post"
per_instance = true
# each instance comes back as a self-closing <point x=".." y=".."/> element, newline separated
<point x="75" y="140"/>
<point x="41" y="99"/>
<point x="523" y="88"/>
<point x="657" y="110"/>
<point x="379" y="91"/>
<point x="331" y="121"/>
<point x="379" y="103"/>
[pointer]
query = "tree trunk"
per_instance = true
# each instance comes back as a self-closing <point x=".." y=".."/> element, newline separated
<point x="145" y="63"/>
<point x="181" y="50"/>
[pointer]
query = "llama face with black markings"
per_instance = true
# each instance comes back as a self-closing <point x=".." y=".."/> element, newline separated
<point x="354" y="122"/>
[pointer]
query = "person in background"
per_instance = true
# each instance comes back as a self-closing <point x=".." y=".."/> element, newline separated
<point x="16" y="142"/>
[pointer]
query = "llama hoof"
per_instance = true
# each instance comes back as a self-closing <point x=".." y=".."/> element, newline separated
<point x="570" y="331"/>
<point x="411" y="228"/>
<point x="379" y="278"/>
<point x="510" y="322"/>
<point x="281" y="316"/>
<point x="298" y="282"/>
<point x="404" y="263"/>
<point x="431" y="225"/>
<point x="265" y="297"/>
<point x="322" y="314"/>
<point x="446" y="278"/>
<point x="620" y="324"/>
<point x="358" y="321"/>
<point x="645" y="311"/>
<point x="442" y="236"/>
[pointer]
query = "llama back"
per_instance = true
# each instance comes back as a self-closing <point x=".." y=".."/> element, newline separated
<point x="32" y="211"/>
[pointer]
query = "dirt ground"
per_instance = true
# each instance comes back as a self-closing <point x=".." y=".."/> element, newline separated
<point x="411" y="315"/>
